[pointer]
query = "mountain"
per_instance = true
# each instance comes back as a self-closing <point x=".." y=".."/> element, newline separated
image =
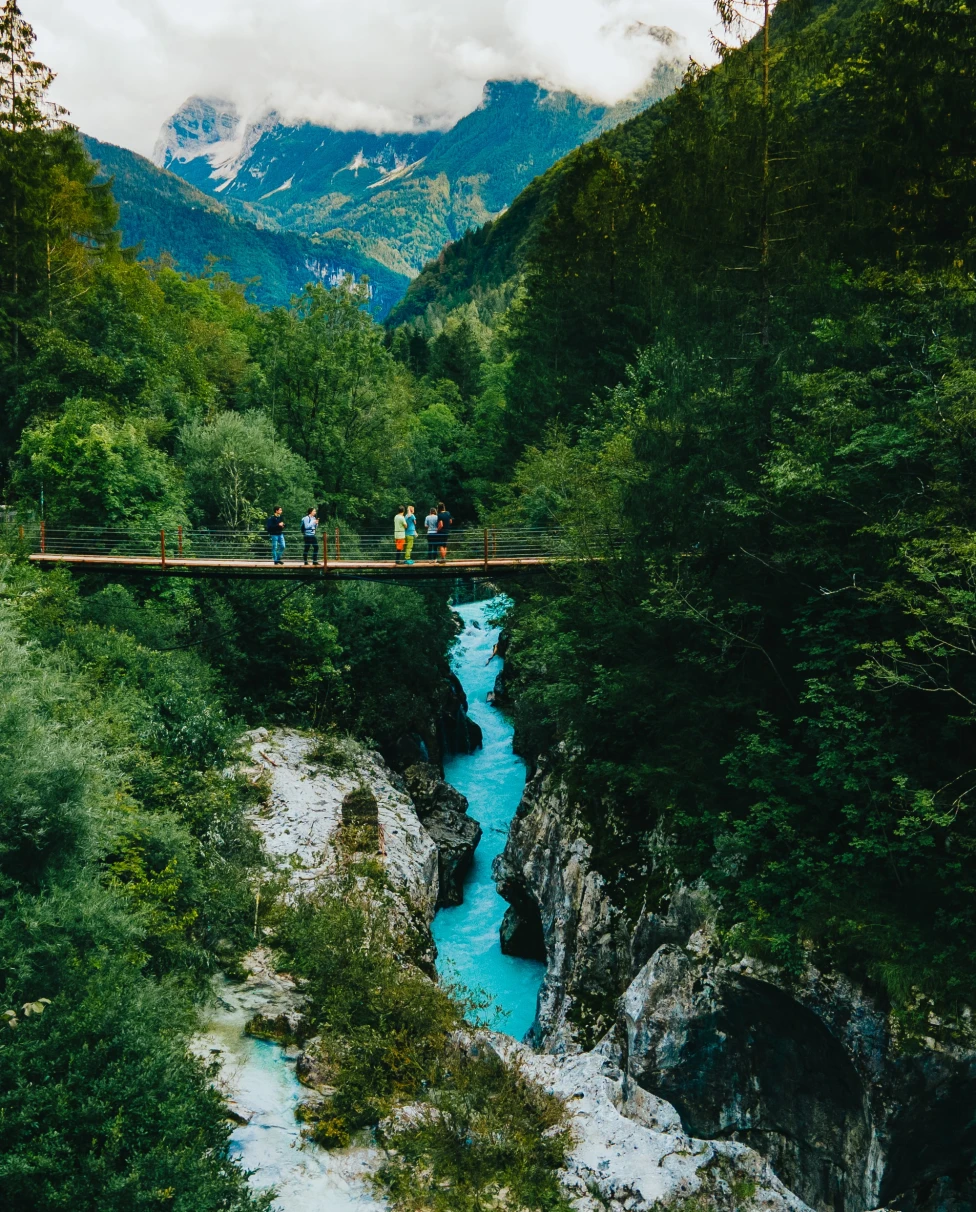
<point x="396" y="198"/>
<point x="484" y="263"/>
<point x="163" y="213"/>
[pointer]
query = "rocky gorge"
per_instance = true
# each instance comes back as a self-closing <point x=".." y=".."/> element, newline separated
<point x="810" y="1070"/>
<point x="633" y="1148"/>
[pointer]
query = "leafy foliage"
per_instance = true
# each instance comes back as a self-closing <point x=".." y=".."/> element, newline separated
<point x="742" y="343"/>
<point x="385" y="1034"/>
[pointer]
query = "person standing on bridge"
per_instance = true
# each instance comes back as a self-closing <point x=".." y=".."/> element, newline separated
<point x="444" y="524"/>
<point x="411" y="535"/>
<point x="430" y="521"/>
<point x="399" y="534"/>
<point x="275" y="526"/>
<point x="310" y="524"/>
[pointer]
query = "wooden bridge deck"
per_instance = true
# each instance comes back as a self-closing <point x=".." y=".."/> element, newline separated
<point x="189" y="552"/>
<point x="335" y="569"/>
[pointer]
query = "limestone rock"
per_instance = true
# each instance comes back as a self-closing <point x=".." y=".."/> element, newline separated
<point x="629" y="1150"/>
<point x="301" y="823"/>
<point x="443" y="811"/>
<point x="806" y="1070"/>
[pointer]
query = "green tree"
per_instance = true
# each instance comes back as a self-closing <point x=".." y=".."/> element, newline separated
<point x="237" y="471"/>
<point x="335" y="393"/>
<point x="89" y="468"/>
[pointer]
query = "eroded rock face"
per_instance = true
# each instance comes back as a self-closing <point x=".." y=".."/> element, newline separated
<point x="544" y="873"/>
<point x="301" y="823"/>
<point x="444" y="813"/>
<point x="458" y="733"/>
<point x="807" y="1072"/>
<point x="630" y="1152"/>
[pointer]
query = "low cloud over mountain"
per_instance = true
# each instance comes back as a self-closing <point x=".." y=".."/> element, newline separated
<point x="377" y="65"/>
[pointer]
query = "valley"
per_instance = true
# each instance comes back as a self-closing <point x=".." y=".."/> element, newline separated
<point x="640" y="884"/>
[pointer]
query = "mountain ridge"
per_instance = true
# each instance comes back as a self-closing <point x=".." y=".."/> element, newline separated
<point x="397" y="198"/>
<point x="164" y="214"/>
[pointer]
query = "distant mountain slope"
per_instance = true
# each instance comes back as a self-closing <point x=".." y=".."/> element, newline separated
<point x="163" y="213"/>
<point x="398" y="198"/>
<point x="484" y="264"/>
<point x="487" y="260"/>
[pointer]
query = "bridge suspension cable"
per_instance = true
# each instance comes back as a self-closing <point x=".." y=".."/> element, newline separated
<point x="341" y="550"/>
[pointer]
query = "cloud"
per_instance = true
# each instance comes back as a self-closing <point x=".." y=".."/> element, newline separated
<point x="125" y="65"/>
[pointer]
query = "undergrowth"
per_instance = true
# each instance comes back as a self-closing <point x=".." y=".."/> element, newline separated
<point x="395" y="1052"/>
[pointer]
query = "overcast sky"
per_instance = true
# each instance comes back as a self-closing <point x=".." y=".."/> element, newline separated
<point x="125" y="65"/>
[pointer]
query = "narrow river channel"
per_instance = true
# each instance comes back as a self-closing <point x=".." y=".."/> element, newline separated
<point x="260" y="1076"/>
<point x="492" y="778"/>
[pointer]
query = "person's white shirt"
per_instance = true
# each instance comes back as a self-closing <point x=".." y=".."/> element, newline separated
<point x="430" y="521"/>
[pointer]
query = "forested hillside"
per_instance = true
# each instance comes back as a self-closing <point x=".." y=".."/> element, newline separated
<point x="742" y="333"/>
<point x="163" y="216"/>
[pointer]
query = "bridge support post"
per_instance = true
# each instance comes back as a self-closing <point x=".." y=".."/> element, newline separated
<point x="43" y="537"/>
<point x="179" y="541"/>
<point x="338" y="549"/>
<point x="325" y="549"/>
<point x="162" y="548"/>
<point x="486" y="549"/>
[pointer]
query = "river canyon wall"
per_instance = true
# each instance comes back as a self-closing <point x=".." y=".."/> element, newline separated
<point x="810" y="1072"/>
<point x="630" y="1151"/>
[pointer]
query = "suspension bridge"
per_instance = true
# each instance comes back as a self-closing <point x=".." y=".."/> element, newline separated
<point x="341" y="552"/>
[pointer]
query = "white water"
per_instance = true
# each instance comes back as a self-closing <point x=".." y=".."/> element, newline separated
<point x="259" y="1077"/>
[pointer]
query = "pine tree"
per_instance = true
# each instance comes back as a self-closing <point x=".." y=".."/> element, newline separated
<point x="52" y="215"/>
<point x="24" y="80"/>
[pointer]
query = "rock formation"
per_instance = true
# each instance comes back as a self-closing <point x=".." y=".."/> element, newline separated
<point x="444" y="814"/>
<point x="809" y="1072"/>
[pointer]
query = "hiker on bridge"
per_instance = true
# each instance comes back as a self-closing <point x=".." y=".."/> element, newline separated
<point x="411" y="535"/>
<point x="309" y="525"/>
<point x="400" y="534"/>
<point x="430" y="521"/>
<point x="444" y="524"/>
<point x="275" y="526"/>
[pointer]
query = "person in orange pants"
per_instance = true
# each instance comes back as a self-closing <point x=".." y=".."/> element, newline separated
<point x="399" y="534"/>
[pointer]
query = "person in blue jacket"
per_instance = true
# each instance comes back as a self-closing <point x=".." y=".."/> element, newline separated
<point x="309" y="525"/>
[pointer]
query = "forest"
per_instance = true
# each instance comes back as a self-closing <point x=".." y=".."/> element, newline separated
<point x="738" y="330"/>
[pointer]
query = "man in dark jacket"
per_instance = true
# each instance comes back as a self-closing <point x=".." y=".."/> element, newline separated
<point x="275" y="526"/>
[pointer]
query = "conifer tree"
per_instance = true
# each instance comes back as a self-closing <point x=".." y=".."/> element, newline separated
<point x="24" y="80"/>
<point x="52" y="215"/>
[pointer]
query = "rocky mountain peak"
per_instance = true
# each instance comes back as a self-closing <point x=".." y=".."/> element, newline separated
<point x="197" y="127"/>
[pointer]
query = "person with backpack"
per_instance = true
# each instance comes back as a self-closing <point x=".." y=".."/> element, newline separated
<point x="399" y="534"/>
<point x="444" y="524"/>
<point x="430" y="521"/>
<point x="411" y="534"/>
<point x="309" y="525"/>
<point x="275" y="526"/>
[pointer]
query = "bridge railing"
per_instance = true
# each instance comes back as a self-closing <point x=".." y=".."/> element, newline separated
<point x="335" y="544"/>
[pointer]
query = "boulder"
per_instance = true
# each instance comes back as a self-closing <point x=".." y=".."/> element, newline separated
<point x="443" y="811"/>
